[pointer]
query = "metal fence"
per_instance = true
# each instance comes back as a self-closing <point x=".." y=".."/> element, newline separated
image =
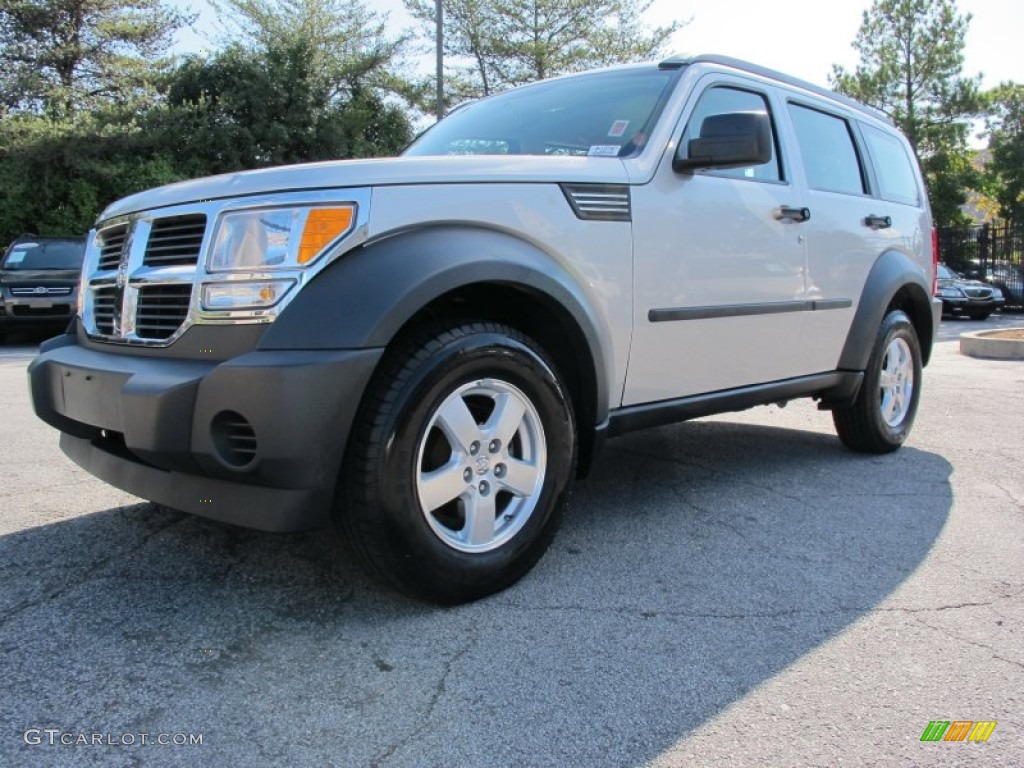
<point x="988" y="252"/>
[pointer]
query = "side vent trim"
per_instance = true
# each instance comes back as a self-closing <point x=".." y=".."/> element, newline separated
<point x="599" y="202"/>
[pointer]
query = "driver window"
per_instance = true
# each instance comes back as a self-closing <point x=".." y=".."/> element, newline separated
<point x="721" y="100"/>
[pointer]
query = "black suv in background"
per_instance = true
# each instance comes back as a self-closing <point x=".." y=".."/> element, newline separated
<point x="39" y="282"/>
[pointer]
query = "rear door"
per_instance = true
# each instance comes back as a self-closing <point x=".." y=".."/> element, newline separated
<point x="848" y="227"/>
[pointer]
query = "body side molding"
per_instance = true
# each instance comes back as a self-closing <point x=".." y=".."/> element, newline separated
<point x="672" y="314"/>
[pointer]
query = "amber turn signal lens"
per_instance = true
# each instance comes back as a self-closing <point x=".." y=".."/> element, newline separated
<point x="322" y="226"/>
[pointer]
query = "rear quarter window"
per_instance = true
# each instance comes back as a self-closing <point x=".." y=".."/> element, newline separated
<point x="897" y="181"/>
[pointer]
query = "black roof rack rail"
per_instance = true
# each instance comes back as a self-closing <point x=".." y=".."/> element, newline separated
<point x="682" y="60"/>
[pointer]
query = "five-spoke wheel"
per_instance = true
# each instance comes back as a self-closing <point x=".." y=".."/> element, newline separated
<point x="454" y="482"/>
<point x="880" y="418"/>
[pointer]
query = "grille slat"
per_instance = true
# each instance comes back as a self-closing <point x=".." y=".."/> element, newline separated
<point x="103" y="309"/>
<point x="161" y="309"/>
<point x="175" y="240"/>
<point x="50" y="291"/>
<point x="112" y="240"/>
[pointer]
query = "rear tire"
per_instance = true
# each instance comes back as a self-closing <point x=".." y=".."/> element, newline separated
<point x="459" y="467"/>
<point x="881" y="417"/>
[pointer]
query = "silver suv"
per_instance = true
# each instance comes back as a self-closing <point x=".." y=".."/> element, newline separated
<point x="425" y="351"/>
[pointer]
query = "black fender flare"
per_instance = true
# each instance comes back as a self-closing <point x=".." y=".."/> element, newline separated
<point x="892" y="272"/>
<point x="364" y="298"/>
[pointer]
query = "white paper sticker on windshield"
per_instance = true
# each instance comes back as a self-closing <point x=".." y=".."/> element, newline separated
<point x="604" y="150"/>
<point x="618" y="128"/>
<point x="16" y="257"/>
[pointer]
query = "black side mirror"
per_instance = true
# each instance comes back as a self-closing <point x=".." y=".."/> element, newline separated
<point x="733" y="140"/>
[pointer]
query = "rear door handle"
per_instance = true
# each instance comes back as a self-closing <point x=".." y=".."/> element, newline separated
<point x="793" y="214"/>
<point x="877" y="222"/>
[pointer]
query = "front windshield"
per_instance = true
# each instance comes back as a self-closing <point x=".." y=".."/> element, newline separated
<point x="601" y="114"/>
<point x="58" y="254"/>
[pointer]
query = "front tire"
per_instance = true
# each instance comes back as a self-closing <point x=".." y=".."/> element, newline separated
<point x="881" y="417"/>
<point x="457" y="473"/>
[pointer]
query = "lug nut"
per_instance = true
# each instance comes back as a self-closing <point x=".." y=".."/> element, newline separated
<point x="467" y="474"/>
<point x="499" y="470"/>
<point x="474" y="448"/>
<point x="495" y="446"/>
<point x="484" y="488"/>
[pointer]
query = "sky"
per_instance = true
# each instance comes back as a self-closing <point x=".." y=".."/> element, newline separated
<point x="799" y="37"/>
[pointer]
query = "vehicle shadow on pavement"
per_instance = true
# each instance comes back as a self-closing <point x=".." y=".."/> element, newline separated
<point x="697" y="562"/>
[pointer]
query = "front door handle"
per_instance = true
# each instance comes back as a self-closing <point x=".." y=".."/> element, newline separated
<point x="877" y="222"/>
<point x="793" y="214"/>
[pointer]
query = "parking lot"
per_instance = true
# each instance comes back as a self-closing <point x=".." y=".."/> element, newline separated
<point x="736" y="591"/>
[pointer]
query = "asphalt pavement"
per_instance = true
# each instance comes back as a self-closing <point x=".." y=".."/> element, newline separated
<point x="735" y="591"/>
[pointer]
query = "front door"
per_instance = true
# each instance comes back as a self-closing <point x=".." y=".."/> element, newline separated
<point x="719" y="267"/>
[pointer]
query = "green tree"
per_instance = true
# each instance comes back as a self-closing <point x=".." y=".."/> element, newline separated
<point x="504" y="43"/>
<point x="60" y="57"/>
<point x="911" y="60"/>
<point x="1005" y="169"/>
<point x="348" y="46"/>
<point x="249" y="109"/>
<point x="57" y="175"/>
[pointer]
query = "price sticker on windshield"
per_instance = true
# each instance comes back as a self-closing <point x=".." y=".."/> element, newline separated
<point x="604" y="150"/>
<point x="618" y="129"/>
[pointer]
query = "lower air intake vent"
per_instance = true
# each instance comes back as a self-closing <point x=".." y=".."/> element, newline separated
<point x="233" y="438"/>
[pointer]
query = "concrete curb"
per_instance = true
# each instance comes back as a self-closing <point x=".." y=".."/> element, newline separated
<point x="983" y="344"/>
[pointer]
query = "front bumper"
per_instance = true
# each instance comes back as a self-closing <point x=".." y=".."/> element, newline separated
<point x="966" y="305"/>
<point x="19" y="312"/>
<point x="155" y="426"/>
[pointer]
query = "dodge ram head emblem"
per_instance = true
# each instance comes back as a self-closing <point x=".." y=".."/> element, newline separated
<point x="483" y="465"/>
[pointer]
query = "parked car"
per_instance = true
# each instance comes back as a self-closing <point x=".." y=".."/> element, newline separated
<point x="39" y="282"/>
<point x="1009" y="279"/>
<point x="427" y="350"/>
<point x="961" y="296"/>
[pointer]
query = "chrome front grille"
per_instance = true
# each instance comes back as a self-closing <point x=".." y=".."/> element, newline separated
<point x="175" y="240"/>
<point x="141" y="284"/>
<point x="978" y="293"/>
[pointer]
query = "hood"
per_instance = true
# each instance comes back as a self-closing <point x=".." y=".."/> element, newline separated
<point x="463" y="169"/>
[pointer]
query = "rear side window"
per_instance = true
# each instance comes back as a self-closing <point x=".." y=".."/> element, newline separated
<point x="827" y="148"/>
<point x="896" y="178"/>
<point x="723" y="101"/>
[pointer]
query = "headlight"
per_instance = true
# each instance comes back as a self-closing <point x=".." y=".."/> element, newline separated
<point x="951" y="293"/>
<point x="997" y="293"/>
<point x="277" y="238"/>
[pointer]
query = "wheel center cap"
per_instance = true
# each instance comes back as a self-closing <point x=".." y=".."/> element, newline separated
<point x="482" y="465"/>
